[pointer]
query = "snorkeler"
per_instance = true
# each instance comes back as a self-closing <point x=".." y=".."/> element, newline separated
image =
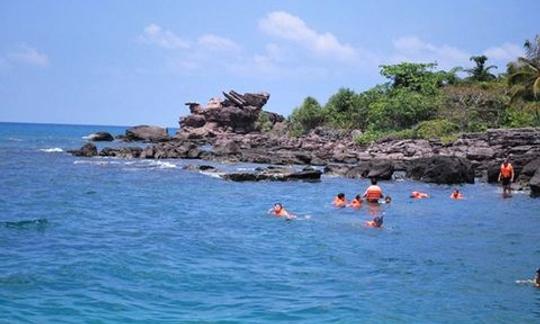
<point x="456" y="194"/>
<point x="419" y="195"/>
<point x="340" y="201"/>
<point x="374" y="192"/>
<point x="377" y="222"/>
<point x="506" y="177"/>
<point x="280" y="211"/>
<point x="356" y="202"/>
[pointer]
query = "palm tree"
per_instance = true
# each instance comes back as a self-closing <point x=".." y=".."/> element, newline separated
<point x="524" y="74"/>
<point x="480" y="72"/>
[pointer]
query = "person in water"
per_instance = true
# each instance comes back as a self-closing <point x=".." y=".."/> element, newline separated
<point x="387" y="199"/>
<point x="377" y="222"/>
<point x="537" y="278"/>
<point x="456" y="194"/>
<point x="340" y="201"/>
<point x="280" y="211"/>
<point x="356" y="202"/>
<point x="506" y="177"/>
<point x="419" y="195"/>
<point x="374" y="192"/>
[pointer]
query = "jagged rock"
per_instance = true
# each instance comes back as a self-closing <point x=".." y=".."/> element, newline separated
<point x="87" y="150"/>
<point x="441" y="170"/>
<point x="146" y="133"/>
<point x="100" y="137"/>
<point x="226" y="147"/>
<point x="274" y="175"/>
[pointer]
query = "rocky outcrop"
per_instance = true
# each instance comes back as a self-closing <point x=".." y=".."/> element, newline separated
<point x="534" y="184"/>
<point x="274" y="174"/>
<point x="123" y="152"/>
<point x="146" y="133"/>
<point x="87" y="150"/>
<point x="100" y="137"/>
<point x="237" y="113"/>
<point x="441" y="170"/>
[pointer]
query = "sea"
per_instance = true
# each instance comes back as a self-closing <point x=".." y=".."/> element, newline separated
<point x="107" y="240"/>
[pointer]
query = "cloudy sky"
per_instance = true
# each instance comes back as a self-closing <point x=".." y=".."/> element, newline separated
<point x="131" y="62"/>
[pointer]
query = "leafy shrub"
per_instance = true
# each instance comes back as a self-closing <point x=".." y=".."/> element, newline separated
<point x="306" y="117"/>
<point x="437" y="128"/>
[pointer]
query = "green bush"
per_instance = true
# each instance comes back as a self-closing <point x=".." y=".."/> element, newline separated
<point x="371" y="136"/>
<point x="437" y="128"/>
<point x="306" y="117"/>
<point x="520" y="118"/>
<point x="264" y="122"/>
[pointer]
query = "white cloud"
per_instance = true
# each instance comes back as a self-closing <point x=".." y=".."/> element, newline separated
<point x="286" y="26"/>
<point x="29" y="55"/>
<point x="505" y="52"/>
<point x="412" y="48"/>
<point x="155" y="35"/>
<point x="215" y="42"/>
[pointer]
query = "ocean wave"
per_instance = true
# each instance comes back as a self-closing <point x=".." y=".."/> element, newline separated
<point x="37" y="223"/>
<point x="52" y="150"/>
<point x="163" y="164"/>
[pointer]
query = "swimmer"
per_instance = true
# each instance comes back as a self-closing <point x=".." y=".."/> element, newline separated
<point x="387" y="199"/>
<point x="456" y="194"/>
<point x="377" y="222"/>
<point x="340" y="200"/>
<point x="374" y="192"/>
<point x="280" y="211"/>
<point x="537" y="278"/>
<point x="356" y="202"/>
<point x="419" y="195"/>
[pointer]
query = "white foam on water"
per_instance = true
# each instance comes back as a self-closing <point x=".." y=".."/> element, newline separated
<point x="52" y="150"/>
<point x="14" y="139"/>
<point x="163" y="165"/>
<point x="211" y="174"/>
<point x="96" y="162"/>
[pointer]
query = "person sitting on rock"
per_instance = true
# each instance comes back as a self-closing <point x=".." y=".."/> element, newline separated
<point x="456" y="194"/>
<point x="280" y="211"/>
<point x="340" y="201"/>
<point x="377" y="222"/>
<point x="506" y="177"/>
<point x="356" y="202"/>
<point x="374" y="192"/>
<point x="419" y="195"/>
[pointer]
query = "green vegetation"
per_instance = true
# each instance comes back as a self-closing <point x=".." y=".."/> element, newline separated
<point x="419" y="101"/>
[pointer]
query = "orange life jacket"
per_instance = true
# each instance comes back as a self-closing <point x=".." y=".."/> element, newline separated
<point x="506" y="171"/>
<point x="373" y="193"/>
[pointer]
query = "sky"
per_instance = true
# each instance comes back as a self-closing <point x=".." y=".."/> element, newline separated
<point x="137" y="62"/>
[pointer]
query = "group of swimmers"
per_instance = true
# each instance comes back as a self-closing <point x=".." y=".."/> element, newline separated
<point x="373" y="196"/>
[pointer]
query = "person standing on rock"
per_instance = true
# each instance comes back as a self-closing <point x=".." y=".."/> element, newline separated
<point x="374" y="192"/>
<point x="506" y="177"/>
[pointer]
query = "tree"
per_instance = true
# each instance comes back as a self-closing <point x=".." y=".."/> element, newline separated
<point x="524" y="74"/>
<point x="481" y="72"/>
<point x="344" y="108"/>
<point x="306" y="117"/>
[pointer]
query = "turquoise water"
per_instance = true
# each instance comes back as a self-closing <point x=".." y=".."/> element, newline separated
<point x="107" y="240"/>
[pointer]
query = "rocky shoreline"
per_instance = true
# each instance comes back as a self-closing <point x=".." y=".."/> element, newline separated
<point x="229" y="130"/>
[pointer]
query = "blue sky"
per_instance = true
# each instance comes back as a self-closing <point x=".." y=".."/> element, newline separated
<point x="133" y="62"/>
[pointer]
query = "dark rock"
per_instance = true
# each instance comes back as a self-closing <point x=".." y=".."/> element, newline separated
<point x="100" y="137"/>
<point x="123" y="152"/>
<point x="534" y="184"/>
<point x="380" y="169"/>
<point x="87" y="150"/>
<point x="146" y="133"/>
<point x="441" y="170"/>
<point x="274" y="174"/>
<point x="226" y="147"/>
<point x="529" y="170"/>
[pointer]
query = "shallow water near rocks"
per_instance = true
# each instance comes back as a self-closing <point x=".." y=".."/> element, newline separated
<point x="141" y="240"/>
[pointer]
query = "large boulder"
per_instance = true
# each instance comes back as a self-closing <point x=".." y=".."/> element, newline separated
<point x="100" y="137"/>
<point x="87" y="150"/>
<point x="275" y="174"/>
<point x="441" y="170"/>
<point x="122" y="152"/>
<point x="534" y="184"/>
<point x="226" y="147"/>
<point x="146" y="133"/>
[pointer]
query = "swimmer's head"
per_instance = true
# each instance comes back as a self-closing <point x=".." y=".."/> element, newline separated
<point x="278" y="206"/>
<point x="341" y="195"/>
<point x="358" y="197"/>
<point x="373" y="181"/>
<point x="387" y="199"/>
<point x="538" y="272"/>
